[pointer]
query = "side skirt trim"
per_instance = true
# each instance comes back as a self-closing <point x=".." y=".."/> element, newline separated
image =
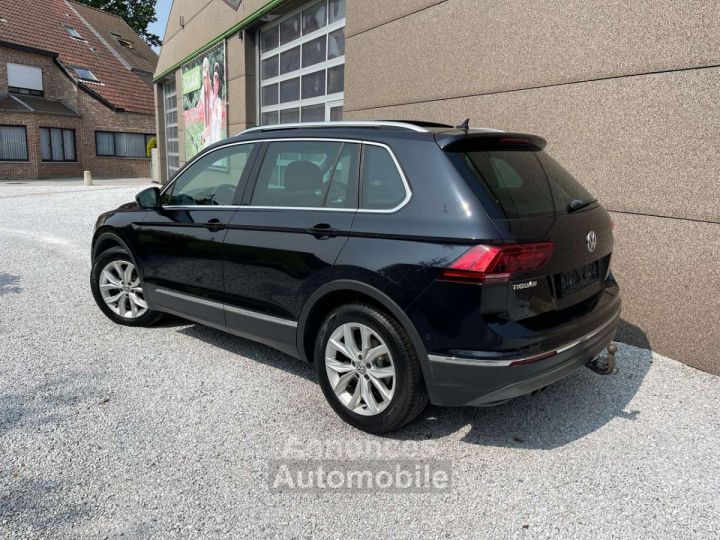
<point x="261" y="316"/>
<point x="232" y="309"/>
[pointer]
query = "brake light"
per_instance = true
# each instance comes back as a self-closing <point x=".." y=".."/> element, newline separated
<point x="488" y="264"/>
<point x="514" y="141"/>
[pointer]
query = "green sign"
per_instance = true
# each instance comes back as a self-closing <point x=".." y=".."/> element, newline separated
<point x="191" y="79"/>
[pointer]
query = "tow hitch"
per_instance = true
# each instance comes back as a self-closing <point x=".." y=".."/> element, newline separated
<point x="605" y="365"/>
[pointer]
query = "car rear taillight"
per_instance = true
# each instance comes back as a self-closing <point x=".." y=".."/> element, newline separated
<point x="514" y="141"/>
<point x="488" y="264"/>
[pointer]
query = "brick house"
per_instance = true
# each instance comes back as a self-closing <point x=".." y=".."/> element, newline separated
<point x="75" y="92"/>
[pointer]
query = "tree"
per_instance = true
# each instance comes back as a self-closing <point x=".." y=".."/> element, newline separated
<point x="139" y="14"/>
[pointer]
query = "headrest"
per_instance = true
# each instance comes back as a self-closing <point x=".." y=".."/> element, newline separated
<point x="303" y="176"/>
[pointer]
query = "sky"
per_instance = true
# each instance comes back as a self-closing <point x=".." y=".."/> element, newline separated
<point x="162" y="9"/>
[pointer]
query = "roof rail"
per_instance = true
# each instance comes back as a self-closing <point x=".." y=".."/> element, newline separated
<point x="420" y="123"/>
<point x="366" y="123"/>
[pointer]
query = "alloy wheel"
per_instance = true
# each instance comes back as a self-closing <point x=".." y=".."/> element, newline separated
<point x="121" y="289"/>
<point x="360" y="369"/>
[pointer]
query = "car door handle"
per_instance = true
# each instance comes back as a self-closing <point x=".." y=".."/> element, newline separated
<point x="323" y="230"/>
<point x="214" y="225"/>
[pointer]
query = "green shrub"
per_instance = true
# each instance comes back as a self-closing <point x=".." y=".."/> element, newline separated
<point x="152" y="143"/>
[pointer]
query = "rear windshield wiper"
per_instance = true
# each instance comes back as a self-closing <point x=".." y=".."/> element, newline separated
<point x="577" y="204"/>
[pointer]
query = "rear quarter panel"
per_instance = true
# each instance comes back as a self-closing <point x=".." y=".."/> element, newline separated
<point x="402" y="252"/>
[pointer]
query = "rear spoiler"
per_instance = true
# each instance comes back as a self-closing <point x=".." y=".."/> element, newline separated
<point x="459" y="140"/>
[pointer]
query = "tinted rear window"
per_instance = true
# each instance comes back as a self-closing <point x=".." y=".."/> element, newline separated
<point x="525" y="183"/>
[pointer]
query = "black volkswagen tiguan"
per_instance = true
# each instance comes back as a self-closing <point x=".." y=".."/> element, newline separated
<point x="408" y="262"/>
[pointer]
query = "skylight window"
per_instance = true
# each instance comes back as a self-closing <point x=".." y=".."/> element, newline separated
<point x="73" y="33"/>
<point x="122" y="41"/>
<point x="84" y="74"/>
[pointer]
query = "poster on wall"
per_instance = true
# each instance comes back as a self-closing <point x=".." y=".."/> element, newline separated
<point x="204" y="100"/>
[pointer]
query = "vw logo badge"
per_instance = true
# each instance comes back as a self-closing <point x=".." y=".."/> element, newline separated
<point x="591" y="240"/>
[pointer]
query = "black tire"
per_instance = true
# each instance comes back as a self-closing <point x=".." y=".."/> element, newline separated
<point x="148" y="318"/>
<point x="410" y="396"/>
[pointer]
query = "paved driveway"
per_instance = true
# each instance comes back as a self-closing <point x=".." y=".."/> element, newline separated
<point x="175" y="430"/>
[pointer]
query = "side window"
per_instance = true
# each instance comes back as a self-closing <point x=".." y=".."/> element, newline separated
<point x="212" y="180"/>
<point x="343" y="191"/>
<point x="308" y="174"/>
<point x="382" y="185"/>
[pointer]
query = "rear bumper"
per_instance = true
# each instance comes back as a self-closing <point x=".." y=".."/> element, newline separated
<point x="472" y="382"/>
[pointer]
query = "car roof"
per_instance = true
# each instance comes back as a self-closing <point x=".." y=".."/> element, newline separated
<point x="381" y="131"/>
<point x="366" y="129"/>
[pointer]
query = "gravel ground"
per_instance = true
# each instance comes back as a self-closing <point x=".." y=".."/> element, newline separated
<point x="171" y="431"/>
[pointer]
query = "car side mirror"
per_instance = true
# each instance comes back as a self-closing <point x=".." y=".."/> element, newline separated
<point x="149" y="198"/>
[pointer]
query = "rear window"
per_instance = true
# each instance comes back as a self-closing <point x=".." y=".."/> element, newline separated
<point x="525" y="183"/>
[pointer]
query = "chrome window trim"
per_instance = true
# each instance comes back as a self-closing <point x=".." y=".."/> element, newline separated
<point x="506" y="363"/>
<point x="201" y="207"/>
<point x="408" y="190"/>
<point x="406" y="184"/>
<point x="192" y="162"/>
<point x="233" y="309"/>
<point x="249" y="207"/>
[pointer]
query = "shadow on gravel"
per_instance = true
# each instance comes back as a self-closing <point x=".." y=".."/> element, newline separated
<point x="171" y="321"/>
<point x="566" y="411"/>
<point x="9" y="284"/>
<point x="249" y="349"/>
<point x="40" y="505"/>
<point x="50" y="402"/>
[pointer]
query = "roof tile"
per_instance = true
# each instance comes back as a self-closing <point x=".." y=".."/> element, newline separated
<point x="42" y="25"/>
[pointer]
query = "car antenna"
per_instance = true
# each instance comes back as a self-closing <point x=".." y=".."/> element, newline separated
<point x="464" y="126"/>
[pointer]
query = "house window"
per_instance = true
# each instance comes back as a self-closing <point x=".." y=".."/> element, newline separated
<point x="73" y="33"/>
<point x="26" y="80"/>
<point x="84" y="74"/>
<point x="302" y="65"/>
<point x="110" y="144"/>
<point x="13" y="143"/>
<point x="57" y="144"/>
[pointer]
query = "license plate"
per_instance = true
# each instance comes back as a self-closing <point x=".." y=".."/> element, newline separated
<point x="574" y="280"/>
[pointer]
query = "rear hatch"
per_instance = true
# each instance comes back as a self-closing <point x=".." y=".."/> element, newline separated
<point x="532" y="199"/>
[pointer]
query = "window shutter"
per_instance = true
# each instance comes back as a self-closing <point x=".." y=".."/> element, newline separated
<point x="21" y="76"/>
